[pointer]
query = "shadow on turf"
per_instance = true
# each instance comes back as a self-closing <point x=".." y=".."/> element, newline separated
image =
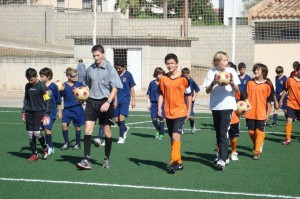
<point x="160" y="165"/>
<point x="74" y="159"/>
<point x="24" y="155"/>
<point x="203" y="158"/>
<point x="143" y="135"/>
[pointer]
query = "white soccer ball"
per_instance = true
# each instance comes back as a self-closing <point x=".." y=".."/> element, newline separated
<point x="81" y="93"/>
<point x="60" y="85"/>
<point x="223" y="78"/>
<point x="242" y="107"/>
<point x="97" y="142"/>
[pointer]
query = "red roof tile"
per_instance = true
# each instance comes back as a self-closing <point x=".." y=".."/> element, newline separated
<point x="275" y="9"/>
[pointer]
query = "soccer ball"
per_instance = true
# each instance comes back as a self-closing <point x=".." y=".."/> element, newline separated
<point x="223" y="78"/>
<point x="81" y="93"/>
<point x="60" y="85"/>
<point x="97" y="142"/>
<point x="242" y="107"/>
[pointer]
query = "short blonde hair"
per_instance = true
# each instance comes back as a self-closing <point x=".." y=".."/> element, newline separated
<point x="218" y="57"/>
<point x="71" y="71"/>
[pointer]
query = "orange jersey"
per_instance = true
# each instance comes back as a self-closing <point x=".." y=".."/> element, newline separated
<point x="173" y="91"/>
<point x="258" y="95"/>
<point x="235" y="118"/>
<point x="293" y="88"/>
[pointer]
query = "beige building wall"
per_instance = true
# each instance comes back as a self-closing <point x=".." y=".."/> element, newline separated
<point x="274" y="55"/>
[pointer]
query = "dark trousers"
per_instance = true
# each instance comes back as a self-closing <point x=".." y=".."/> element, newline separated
<point x="222" y="120"/>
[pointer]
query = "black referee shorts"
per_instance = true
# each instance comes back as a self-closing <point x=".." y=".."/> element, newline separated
<point x="92" y="112"/>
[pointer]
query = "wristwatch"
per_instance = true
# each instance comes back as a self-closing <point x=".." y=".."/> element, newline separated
<point x="109" y="101"/>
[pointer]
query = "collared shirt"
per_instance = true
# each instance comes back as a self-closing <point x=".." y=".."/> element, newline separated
<point x="81" y="73"/>
<point x="102" y="79"/>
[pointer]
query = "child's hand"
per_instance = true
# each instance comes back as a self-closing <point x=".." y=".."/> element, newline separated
<point x="231" y="79"/>
<point x="24" y="117"/>
<point x="45" y="120"/>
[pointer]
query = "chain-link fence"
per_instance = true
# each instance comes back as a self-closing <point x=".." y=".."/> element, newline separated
<point x="57" y="33"/>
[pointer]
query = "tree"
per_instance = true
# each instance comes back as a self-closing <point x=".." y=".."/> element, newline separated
<point x="248" y="4"/>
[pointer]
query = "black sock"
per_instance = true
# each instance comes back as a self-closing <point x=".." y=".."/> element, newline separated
<point x="155" y="123"/>
<point x="78" y="134"/>
<point x="87" y="146"/>
<point x="66" y="136"/>
<point x="32" y="143"/>
<point x="42" y="142"/>
<point x="108" y="143"/>
<point x="192" y="123"/>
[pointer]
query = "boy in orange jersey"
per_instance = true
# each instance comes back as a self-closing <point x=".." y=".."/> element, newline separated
<point x="259" y="92"/>
<point x="175" y="93"/>
<point x="292" y="88"/>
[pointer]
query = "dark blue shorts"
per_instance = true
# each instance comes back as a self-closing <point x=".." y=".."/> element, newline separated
<point x="283" y="107"/>
<point x="75" y="114"/>
<point x="50" y="125"/>
<point x="121" y="109"/>
<point x="154" y="110"/>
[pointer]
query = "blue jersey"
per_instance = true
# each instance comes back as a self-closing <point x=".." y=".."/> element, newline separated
<point x="244" y="82"/>
<point x="280" y="85"/>
<point x="152" y="91"/>
<point x="68" y="95"/>
<point x="194" y="87"/>
<point x="55" y="98"/>
<point x="123" y="94"/>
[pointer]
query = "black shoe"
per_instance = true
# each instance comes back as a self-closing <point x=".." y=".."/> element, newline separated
<point x="175" y="166"/>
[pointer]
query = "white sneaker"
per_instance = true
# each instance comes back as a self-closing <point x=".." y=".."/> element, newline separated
<point x="97" y="142"/>
<point x="234" y="156"/>
<point x="121" y="140"/>
<point x="220" y="165"/>
<point x="125" y="133"/>
<point x="193" y="129"/>
<point x="227" y="161"/>
<point x="50" y="150"/>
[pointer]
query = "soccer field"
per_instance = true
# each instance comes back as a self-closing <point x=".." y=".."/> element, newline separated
<point x="138" y="168"/>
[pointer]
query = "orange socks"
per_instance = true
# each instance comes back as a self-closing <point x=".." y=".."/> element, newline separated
<point x="233" y="143"/>
<point x="260" y="137"/>
<point x="252" y="136"/>
<point x="288" y="131"/>
<point x="175" y="152"/>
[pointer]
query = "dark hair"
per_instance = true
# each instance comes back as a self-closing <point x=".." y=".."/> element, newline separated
<point x="185" y="70"/>
<point x="241" y="65"/>
<point x="171" y="56"/>
<point x="295" y="64"/>
<point x="98" y="48"/>
<point x="80" y="61"/>
<point x="297" y="68"/>
<point x="279" y="69"/>
<point x="263" y="68"/>
<point x="157" y="71"/>
<point x="30" y="73"/>
<point x="120" y="62"/>
<point x="47" y="72"/>
<point x="233" y="66"/>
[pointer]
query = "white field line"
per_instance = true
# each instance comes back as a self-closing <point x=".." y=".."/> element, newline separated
<point x="147" y="187"/>
<point x="131" y="115"/>
<point x="145" y="127"/>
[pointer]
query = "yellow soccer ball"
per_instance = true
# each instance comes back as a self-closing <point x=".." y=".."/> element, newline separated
<point x="223" y="78"/>
<point x="242" y="107"/>
<point x="81" y="93"/>
<point x="60" y="85"/>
